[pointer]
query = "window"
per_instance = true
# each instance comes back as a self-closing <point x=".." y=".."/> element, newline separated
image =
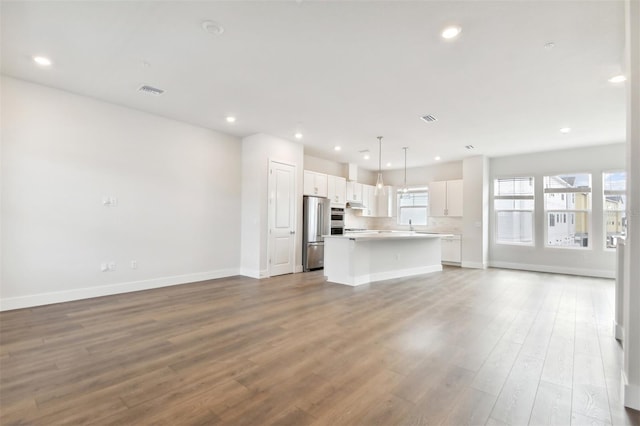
<point x="614" y="186"/>
<point x="576" y="207"/>
<point x="413" y="205"/>
<point x="513" y="201"/>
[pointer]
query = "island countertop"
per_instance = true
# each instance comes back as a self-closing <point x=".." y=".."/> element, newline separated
<point x="387" y="235"/>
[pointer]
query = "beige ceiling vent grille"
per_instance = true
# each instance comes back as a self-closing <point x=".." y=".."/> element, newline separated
<point x="151" y="90"/>
<point x="428" y="118"/>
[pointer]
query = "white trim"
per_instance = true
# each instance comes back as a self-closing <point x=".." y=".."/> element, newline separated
<point x="298" y="269"/>
<point x="110" y="289"/>
<point x="473" y="265"/>
<point x="631" y="393"/>
<point x="618" y="331"/>
<point x="586" y="272"/>
<point x="387" y="275"/>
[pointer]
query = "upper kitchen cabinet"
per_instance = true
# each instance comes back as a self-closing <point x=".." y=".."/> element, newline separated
<point x="337" y="190"/>
<point x="354" y="192"/>
<point x="369" y="201"/>
<point x="315" y="184"/>
<point x="445" y="198"/>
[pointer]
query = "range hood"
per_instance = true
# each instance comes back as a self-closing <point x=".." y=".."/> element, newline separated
<point x="355" y="205"/>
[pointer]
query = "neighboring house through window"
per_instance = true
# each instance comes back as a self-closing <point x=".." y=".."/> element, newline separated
<point x="567" y="195"/>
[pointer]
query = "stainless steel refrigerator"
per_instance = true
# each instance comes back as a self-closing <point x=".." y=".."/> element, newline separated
<point x="317" y="222"/>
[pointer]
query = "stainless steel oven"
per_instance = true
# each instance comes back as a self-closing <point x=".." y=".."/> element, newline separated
<point x="337" y="221"/>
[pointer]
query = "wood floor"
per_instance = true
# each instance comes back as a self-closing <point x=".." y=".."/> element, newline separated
<point x="458" y="347"/>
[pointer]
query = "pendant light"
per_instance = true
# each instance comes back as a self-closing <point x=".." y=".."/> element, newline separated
<point x="379" y="182"/>
<point x="405" y="188"/>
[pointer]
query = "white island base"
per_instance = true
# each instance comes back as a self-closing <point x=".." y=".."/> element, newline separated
<point x="361" y="259"/>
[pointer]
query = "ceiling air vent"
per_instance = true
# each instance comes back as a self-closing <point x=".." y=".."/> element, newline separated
<point x="151" y="90"/>
<point x="469" y="147"/>
<point x="428" y="118"/>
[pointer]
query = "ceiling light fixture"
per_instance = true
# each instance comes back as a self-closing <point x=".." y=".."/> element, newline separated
<point x="451" y="32"/>
<point x="379" y="182"/>
<point x="437" y="158"/>
<point x="337" y="148"/>
<point x="42" y="61"/>
<point x="365" y="154"/>
<point x="565" y="130"/>
<point x="405" y="188"/>
<point x="298" y="135"/>
<point x="618" y="79"/>
<point x="388" y="164"/>
<point x="231" y="119"/>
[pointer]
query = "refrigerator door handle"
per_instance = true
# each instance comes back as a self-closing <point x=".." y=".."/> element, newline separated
<point x="320" y="221"/>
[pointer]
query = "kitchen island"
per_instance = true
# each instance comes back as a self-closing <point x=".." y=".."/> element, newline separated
<point x="361" y="258"/>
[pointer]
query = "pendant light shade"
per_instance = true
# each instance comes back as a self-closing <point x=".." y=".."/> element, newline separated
<point x="379" y="181"/>
<point x="405" y="188"/>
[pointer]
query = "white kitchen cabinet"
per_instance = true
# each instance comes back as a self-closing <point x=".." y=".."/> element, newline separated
<point x="354" y="192"/>
<point x="445" y="198"/>
<point x="315" y="184"/>
<point x="337" y="190"/>
<point x="369" y="201"/>
<point x="451" y="249"/>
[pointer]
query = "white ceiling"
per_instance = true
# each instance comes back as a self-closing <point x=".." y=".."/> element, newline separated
<point x="343" y="72"/>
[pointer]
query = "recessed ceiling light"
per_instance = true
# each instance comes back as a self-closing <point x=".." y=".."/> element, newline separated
<point x="42" y="61"/>
<point x="451" y="32"/>
<point x="618" y="79"/>
<point x="437" y="158"/>
<point x="337" y="148"/>
<point x="298" y="135"/>
<point x="212" y="27"/>
<point x="565" y="130"/>
<point x="231" y="119"/>
<point x="388" y="164"/>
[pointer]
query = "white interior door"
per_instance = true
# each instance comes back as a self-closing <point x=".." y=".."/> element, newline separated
<point x="282" y="218"/>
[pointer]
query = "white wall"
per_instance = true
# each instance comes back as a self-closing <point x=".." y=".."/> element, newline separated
<point x="320" y="165"/>
<point x="177" y="188"/>
<point x="423" y="175"/>
<point x="257" y="150"/>
<point x="595" y="261"/>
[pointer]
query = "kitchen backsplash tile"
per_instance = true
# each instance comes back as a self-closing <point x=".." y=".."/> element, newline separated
<point x="434" y="224"/>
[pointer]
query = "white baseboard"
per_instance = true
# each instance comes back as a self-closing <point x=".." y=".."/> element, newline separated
<point x="110" y="289"/>
<point x="585" y="272"/>
<point x="386" y="275"/>
<point x="473" y="265"/>
<point x="298" y="269"/>
<point x="251" y="273"/>
<point x="631" y="393"/>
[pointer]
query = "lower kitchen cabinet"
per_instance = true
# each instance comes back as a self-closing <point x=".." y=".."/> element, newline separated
<point x="451" y="249"/>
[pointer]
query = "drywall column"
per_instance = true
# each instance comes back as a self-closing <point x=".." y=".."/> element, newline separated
<point x="631" y="372"/>
<point x="257" y="150"/>
<point x="475" y="219"/>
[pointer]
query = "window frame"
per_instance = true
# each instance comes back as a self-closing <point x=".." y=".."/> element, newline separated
<point x="572" y="191"/>
<point x="496" y="212"/>
<point x="604" y="194"/>
<point x="413" y="189"/>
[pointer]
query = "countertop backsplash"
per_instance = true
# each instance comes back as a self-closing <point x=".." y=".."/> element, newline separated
<point x="452" y="225"/>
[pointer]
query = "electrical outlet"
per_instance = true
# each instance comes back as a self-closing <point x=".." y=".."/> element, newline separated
<point x="104" y="267"/>
<point x="112" y="266"/>
<point x="134" y="264"/>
